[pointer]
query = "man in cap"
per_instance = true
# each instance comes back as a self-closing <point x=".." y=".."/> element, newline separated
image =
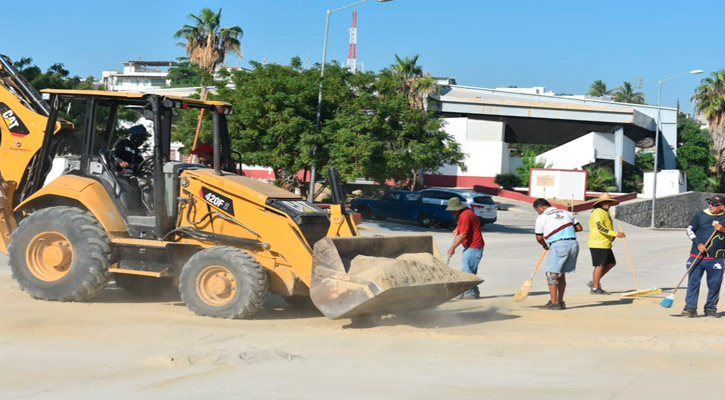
<point x="556" y="231"/>
<point x="710" y="252"/>
<point x="601" y="236"/>
<point x="467" y="234"/>
<point x="126" y="153"/>
<point x="205" y="153"/>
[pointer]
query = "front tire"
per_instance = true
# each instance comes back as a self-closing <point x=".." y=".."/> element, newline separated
<point x="223" y="282"/>
<point x="61" y="254"/>
<point x="365" y="212"/>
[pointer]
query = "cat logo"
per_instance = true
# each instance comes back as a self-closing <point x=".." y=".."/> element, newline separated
<point x="13" y="122"/>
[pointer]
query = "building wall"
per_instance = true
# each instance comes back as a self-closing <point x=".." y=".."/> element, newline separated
<point x="587" y="149"/>
<point x="486" y="154"/>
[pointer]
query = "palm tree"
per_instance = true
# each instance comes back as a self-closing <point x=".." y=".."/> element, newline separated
<point x="626" y="94"/>
<point x="207" y="42"/>
<point x="598" y="89"/>
<point x="415" y="85"/>
<point x="711" y="103"/>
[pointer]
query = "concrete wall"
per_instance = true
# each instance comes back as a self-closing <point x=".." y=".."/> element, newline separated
<point x="587" y="149"/>
<point x="674" y="211"/>
<point x="486" y="154"/>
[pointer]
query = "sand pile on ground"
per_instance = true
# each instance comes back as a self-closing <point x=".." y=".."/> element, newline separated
<point x="405" y="270"/>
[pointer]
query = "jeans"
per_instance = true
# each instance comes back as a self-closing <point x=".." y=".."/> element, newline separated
<point x="471" y="258"/>
<point x="713" y="268"/>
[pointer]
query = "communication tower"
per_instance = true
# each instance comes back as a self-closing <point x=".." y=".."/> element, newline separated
<point x="352" y="51"/>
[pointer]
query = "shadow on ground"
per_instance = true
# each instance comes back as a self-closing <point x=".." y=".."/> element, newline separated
<point x="433" y="318"/>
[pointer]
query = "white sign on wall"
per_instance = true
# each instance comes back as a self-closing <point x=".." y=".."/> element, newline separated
<point x="565" y="184"/>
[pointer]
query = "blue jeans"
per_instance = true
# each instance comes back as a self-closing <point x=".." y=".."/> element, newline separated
<point x="471" y="258"/>
<point x="713" y="268"/>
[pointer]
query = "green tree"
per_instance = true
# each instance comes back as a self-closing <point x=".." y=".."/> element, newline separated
<point x="626" y="94"/>
<point x="368" y="130"/>
<point x="711" y="103"/>
<point x="529" y="161"/>
<point x="598" y="89"/>
<point x="185" y="74"/>
<point x="694" y="155"/>
<point x="600" y="179"/>
<point x="207" y="42"/>
<point x="632" y="176"/>
<point x="414" y="84"/>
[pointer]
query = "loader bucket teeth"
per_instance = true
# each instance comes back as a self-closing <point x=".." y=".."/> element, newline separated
<point x="353" y="276"/>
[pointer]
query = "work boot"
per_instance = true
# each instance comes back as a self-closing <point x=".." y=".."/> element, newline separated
<point x="689" y="313"/>
<point x="711" y="313"/>
<point x="599" y="290"/>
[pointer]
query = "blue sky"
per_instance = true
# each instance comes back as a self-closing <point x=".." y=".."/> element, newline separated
<point x="562" y="45"/>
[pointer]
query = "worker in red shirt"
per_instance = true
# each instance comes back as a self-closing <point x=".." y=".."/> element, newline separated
<point x="468" y="234"/>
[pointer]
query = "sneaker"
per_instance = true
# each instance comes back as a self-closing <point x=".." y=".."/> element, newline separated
<point x="465" y="296"/>
<point x="598" y="290"/>
<point x="711" y="313"/>
<point x="689" y="313"/>
<point x="551" y="306"/>
<point x="590" y="284"/>
<point x="563" y="305"/>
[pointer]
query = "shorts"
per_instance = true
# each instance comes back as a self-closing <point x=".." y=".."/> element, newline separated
<point x="602" y="257"/>
<point x="562" y="256"/>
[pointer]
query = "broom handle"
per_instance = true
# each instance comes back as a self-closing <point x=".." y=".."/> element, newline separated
<point x="537" y="264"/>
<point x="693" y="264"/>
<point x="629" y="257"/>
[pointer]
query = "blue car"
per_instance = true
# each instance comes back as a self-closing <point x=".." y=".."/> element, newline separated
<point x="403" y="204"/>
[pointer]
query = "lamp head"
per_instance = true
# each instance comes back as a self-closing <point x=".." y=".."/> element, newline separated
<point x="695" y="72"/>
<point x="383" y="1"/>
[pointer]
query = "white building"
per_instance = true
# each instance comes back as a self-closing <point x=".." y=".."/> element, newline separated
<point x="138" y="76"/>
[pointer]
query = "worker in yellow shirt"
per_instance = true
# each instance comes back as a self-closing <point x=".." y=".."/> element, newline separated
<point x="601" y="236"/>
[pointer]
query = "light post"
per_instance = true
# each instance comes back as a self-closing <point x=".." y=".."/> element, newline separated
<point x="313" y="170"/>
<point x="657" y="139"/>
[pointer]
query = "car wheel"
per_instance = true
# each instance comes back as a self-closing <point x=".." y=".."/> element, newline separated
<point x="365" y="212"/>
<point x="426" y="220"/>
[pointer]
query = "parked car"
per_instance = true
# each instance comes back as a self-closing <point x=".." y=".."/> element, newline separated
<point x="481" y="204"/>
<point x="402" y="204"/>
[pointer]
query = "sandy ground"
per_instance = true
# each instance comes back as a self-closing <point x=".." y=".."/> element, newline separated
<point x="603" y="347"/>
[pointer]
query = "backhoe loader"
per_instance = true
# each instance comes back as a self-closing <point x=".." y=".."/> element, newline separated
<point x="226" y="240"/>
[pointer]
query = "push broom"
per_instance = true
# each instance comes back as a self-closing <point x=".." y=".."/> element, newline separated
<point x="639" y="292"/>
<point x="523" y="293"/>
<point x="667" y="301"/>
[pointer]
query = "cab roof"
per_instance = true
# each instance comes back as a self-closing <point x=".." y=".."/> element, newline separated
<point x="134" y="96"/>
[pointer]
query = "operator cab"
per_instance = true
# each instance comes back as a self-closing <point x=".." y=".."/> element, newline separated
<point x="146" y="196"/>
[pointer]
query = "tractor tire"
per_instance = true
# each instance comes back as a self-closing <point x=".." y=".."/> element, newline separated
<point x="223" y="282"/>
<point x="426" y="220"/>
<point x="143" y="285"/>
<point x="61" y="254"/>
<point x="365" y="212"/>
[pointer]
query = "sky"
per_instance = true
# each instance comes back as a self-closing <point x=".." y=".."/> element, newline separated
<point x="561" y="45"/>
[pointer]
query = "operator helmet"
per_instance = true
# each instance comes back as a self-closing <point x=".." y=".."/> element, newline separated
<point x="138" y="134"/>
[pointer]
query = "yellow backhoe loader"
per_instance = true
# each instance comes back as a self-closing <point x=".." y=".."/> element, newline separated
<point x="226" y="240"/>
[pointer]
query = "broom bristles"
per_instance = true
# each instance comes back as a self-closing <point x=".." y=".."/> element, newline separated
<point x="642" y="292"/>
<point x="523" y="293"/>
<point x="667" y="301"/>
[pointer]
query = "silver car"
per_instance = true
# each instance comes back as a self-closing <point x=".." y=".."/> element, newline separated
<point x="482" y="205"/>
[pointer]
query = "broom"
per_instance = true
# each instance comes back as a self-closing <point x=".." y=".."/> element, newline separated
<point x="523" y="293"/>
<point x="639" y="292"/>
<point x="667" y="301"/>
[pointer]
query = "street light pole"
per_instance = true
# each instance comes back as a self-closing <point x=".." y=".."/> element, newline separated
<point x="657" y="139"/>
<point x="313" y="169"/>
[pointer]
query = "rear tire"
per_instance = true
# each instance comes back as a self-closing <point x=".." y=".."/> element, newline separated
<point x="426" y="220"/>
<point x="223" y="282"/>
<point x="365" y="212"/>
<point x="61" y="254"/>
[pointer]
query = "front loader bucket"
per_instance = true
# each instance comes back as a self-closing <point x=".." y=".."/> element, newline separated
<point x="354" y="276"/>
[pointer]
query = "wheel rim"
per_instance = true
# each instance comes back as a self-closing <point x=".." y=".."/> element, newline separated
<point x="49" y="256"/>
<point x="216" y="285"/>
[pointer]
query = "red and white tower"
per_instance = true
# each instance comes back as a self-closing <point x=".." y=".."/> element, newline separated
<point x="352" y="51"/>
